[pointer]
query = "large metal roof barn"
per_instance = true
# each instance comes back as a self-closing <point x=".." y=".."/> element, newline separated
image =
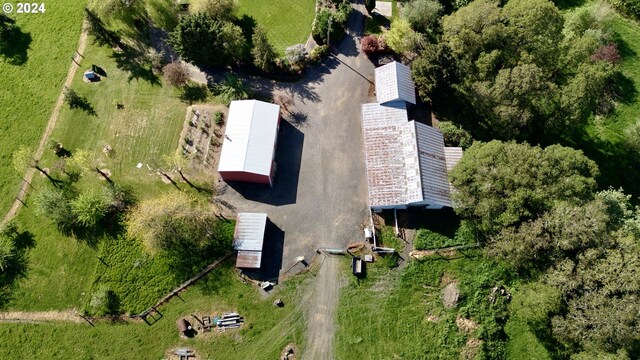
<point x="248" y="148"/>
<point x="393" y="83"/>
<point x="406" y="160"/>
<point x="248" y="239"/>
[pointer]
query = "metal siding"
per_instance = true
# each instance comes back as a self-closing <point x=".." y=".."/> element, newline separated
<point x="394" y="83"/>
<point x="452" y="155"/>
<point x="250" y="136"/>
<point x="249" y="232"/>
<point x="433" y="166"/>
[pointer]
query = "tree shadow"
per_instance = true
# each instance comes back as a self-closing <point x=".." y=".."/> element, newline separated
<point x="14" y="47"/>
<point x="17" y="266"/>
<point x="83" y="104"/>
<point x="247" y="24"/>
<point x="272" y="251"/>
<point x="623" y="89"/>
<point x="136" y="63"/>
<point x="568" y="4"/>
<point x="194" y="93"/>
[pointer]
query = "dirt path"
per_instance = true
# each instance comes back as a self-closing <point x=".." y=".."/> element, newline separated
<point x="322" y="313"/>
<point x="28" y="176"/>
<point x="40" y="316"/>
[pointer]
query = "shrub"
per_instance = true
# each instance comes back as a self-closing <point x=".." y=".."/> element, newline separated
<point x="318" y="53"/>
<point x="104" y="301"/>
<point x="176" y="74"/>
<point x="370" y="44"/>
<point x="218" y="118"/>
<point x="427" y="239"/>
<point x="454" y="135"/>
<point x="321" y="26"/>
<point x="222" y="10"/>
<point x="607" y="53"/>
<point x="423" y="15"/>
<point x="295" y="54"/>
<point x="231" y="88"/>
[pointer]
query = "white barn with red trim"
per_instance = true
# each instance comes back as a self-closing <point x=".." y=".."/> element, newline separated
<point x="249" y="144"/>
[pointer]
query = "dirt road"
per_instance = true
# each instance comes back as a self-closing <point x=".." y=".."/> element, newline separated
<point x="40" y="316"/>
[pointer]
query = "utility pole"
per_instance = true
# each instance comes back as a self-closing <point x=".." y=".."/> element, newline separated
<point x="329" y="30"/>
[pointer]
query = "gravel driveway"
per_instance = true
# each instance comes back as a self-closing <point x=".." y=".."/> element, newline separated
<point x="319" y="198"/>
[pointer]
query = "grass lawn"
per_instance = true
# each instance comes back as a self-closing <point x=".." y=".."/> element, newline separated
<point x="287" y="22"/>
<point x="399" y="313"/>
<point x="267" y="330"/>
<point x="144" y="131"/>
<point x="29" y="89"/>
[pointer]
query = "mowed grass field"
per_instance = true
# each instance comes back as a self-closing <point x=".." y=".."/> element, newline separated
<point x="143" y="132"/>
<point x="267" y="330"/>
<point x="287" y="22"/>
<point x="29" y="89"/>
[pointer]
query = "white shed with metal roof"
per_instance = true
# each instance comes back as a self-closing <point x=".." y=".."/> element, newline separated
<point x="248" y="148"/>
<point x="394" y="83"/>
<point x="248" y="239"/>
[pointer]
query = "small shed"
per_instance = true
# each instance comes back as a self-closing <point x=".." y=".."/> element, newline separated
<point x="248" y="239"/>
<point x="394" y="83"/>
<point x="249" y="144"/>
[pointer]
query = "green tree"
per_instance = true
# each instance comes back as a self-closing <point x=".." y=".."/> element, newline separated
<point x="402" y="39"/>
<point x="230" y="89"/>
<point x="422" y="15"/>
<point x="90" y="207"/>
<point x="504" y="184"/>
<point x="263" y="52"/>
<point x="176" y="226"/>
<point x="8" y="235"/>
<point x="55" y="205"/>
<point x="83" y="160"/>
<point x="203" y="41"/>
<point x="600" y="288"/>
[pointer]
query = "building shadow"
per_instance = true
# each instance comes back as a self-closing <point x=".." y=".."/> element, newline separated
<point x="288" y="160"/>
<point x="272" y="252"/>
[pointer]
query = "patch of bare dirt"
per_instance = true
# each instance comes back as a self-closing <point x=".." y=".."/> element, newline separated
<point x="201" y="137"/>
<point x="446" y="279"/>
<point x="289" y="353"/>
<point x="450" y="295"/>
<point x="41" y="316"/>
<point x="470" y="349"/>
<point x="466" y="325"/>
<point x="432" y="318"/>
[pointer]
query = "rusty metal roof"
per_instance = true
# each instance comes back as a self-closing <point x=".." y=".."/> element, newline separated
<point x="406" y="162"/>
<point x="249" y="259"/>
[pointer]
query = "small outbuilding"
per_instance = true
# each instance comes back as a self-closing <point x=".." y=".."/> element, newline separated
<point x="249" y="144"/>
<point x="248" y="239"/>
<point x="394" y="83"/>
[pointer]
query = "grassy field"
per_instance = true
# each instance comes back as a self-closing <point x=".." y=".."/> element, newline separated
<point x="137" y="279"/>
<point x="399" y="314"/>
<point x="144" y="131"/>
<point x="268" y="329"/>
<point x="30" y="87"/>
<point x="287" y="22"/>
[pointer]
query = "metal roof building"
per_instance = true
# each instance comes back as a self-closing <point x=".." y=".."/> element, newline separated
<point x="248" y="148"/>
<point x="406" y="160"/>
<point x="248" y="239"/>
<point x="393" y="83"/>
